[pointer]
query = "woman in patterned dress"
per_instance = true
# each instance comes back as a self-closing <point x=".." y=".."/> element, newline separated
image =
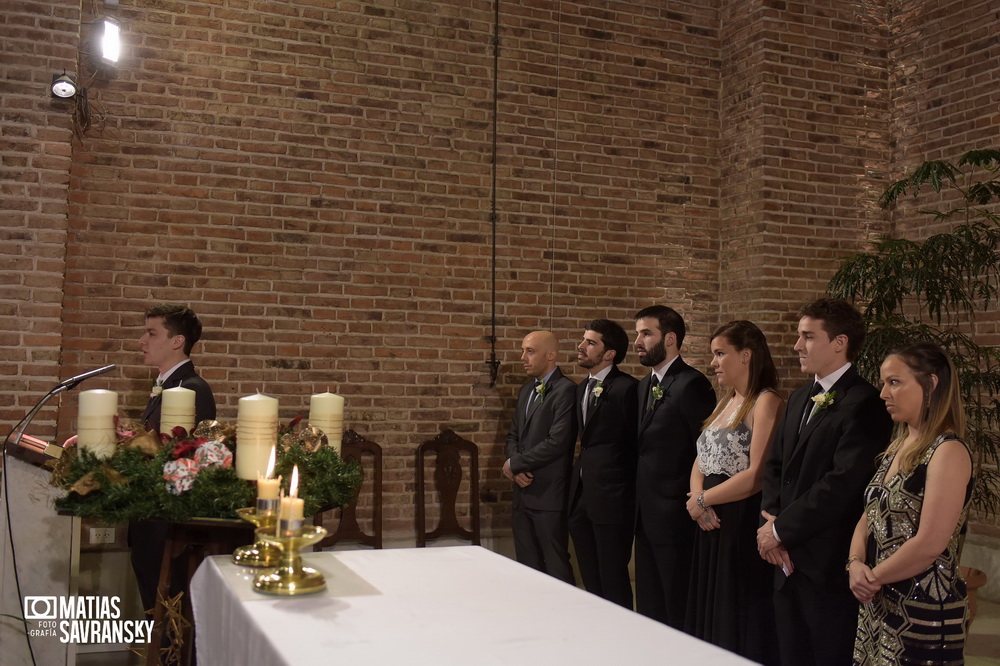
<point x="904" y="556"/>
<point x="729" y="598"/>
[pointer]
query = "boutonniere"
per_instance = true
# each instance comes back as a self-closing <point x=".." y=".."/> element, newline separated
<point x="823" y="400"/>
<point x="156" y="390"/>
<point x="657" y="395"/>
<point x="540" y="390"/>
<point x="598" y="390"/>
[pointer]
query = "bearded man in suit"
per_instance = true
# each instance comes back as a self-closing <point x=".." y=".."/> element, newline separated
<point x="539" y="456"/>
<point x="169" y="334"/>
<point x="815" y="475"/>
<point x="602" y="486"/>
<point x="674" y="401"/>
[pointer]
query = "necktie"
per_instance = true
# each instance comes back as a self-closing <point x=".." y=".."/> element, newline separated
<point x="653" y="383"/>
<point x="532" y="397"/>
<point x="588" y="398"/>
<point x="807" y="412"/>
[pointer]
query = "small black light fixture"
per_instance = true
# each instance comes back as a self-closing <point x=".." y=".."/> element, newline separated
<point x="63" y="85"/>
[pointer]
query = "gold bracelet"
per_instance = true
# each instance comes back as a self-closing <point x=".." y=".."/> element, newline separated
<point x="852" y="558"/>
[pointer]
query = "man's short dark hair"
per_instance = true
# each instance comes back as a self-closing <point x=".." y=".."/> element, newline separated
<point x="839" y="318"/>
<point x="178" y="320"/>
<point x="669" y="320"/>
<point x="612" y="335"/>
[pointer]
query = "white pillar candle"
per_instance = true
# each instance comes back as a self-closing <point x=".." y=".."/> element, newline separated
<point x="256" y="434"/>
<point x="326" y="412"/>
<point x="96" y="422"/>
<point x="292" y="508"/>
<point x="267" y="485"/>
<point x="177" y="409"/>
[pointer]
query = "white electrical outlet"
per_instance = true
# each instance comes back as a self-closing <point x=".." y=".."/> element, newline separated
<point x="102" y="535"/>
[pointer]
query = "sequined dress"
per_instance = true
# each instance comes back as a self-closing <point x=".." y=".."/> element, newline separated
<point x="919" y="620"/>
<point x="729" y="600"/>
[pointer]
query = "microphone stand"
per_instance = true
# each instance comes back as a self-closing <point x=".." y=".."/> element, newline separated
<point x="14" y="438"/>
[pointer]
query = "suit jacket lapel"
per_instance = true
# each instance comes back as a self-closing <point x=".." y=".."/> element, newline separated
<point x="807" y="430"/>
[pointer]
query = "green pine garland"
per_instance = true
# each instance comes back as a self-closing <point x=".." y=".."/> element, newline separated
<point x="325" y="481"/>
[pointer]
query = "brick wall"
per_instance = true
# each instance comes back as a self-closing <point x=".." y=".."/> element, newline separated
<point x="315" y="180"/>
<point x="38" y="40"/>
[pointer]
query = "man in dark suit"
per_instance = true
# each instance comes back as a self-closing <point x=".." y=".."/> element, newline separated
<point x="539" y="456"/>
<point x="821" y="460"/>
<point x="674" y="401"/>
<point x="602" y="487"/>
<point x="169" y="334"/>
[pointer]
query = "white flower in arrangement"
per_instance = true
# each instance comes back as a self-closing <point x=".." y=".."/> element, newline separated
<point x="540" y="390"/>
<point x="156" y="390"/>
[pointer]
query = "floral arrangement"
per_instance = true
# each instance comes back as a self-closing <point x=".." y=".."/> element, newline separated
<point x="540" y="389"/>
<point x="177" y="476"/>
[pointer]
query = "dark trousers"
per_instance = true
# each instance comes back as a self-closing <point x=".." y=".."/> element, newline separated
<point x="662" y="576"/>
<point x="603" y="552"/>
<point x="541" y="541"/>
<point x="816" y="622"/>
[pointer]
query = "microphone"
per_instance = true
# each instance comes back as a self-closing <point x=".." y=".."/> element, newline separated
<point x="68" y="384"/>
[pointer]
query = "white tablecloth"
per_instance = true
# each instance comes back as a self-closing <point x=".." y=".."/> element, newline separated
<point x="451" y="605"/>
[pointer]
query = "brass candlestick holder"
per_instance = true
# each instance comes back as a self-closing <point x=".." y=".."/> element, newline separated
<point x="260" y="553"/>
<point x="290" y="578"/>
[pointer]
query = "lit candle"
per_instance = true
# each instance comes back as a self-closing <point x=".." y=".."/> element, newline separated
<point x="256" y="434"/>
<point x="96" y="422"/>
<point x="177" y="409"/>
<point x="267" y="486"/>
<point x="292" y="508"/>
<point x="326" y="412"/>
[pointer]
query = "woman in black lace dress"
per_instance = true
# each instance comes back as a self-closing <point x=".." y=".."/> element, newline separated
<point x="729" y="601"/>
<point x="905" y="552"/>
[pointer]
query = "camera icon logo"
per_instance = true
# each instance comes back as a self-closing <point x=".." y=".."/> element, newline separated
<point x="40" y="608"/>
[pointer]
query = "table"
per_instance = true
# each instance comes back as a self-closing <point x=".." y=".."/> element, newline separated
<point x="449" y="605"/>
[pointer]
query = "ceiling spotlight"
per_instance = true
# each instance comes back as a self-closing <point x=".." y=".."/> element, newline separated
<point x="63" y="85"/>
<point x="111" y="45"/>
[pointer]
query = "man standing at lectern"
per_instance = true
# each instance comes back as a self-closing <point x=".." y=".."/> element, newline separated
<point x="169" y="334"/>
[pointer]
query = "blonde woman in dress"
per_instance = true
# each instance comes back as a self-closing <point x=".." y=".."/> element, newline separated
<point x="730" y="595"/>
<point x="904" y="555"/>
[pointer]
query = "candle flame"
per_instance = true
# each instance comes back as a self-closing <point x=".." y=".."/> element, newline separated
<point x="270" y="465"/>
<point x="293" y="488"/>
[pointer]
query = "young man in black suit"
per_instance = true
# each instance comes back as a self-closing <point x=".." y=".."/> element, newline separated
<point x="169" y="334"/>
<point x="674" y="401"/>
<point x="539" y="456"/>
<point x="602" y="487"/>
<point x="821" y="460"/>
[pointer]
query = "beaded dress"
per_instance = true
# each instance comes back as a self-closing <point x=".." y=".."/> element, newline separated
<point x="919" y="620"/>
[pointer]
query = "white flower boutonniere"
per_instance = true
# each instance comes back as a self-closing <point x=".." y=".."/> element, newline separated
<point x="598" y="390"/>
<point x="540" y="390"/>
<point x="657" y="395"/>
<point x="823" y="400"/>
<point x="156" y="390"/>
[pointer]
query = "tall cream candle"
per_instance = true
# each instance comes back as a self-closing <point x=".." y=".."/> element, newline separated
<point x="177" y="409"/>
<point x="326" y="412"/>
<point x="256" y="433"/>
<point x="96" y="422"/>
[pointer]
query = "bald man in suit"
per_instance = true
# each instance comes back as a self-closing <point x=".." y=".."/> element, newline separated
<point x="539" y="452"/>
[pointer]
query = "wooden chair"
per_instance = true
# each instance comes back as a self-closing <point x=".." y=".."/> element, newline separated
<point x="448" y="448"/>
<point x="356" y="447"/>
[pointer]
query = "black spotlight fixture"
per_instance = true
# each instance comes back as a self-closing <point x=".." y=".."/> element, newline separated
<point x="63" y="85"/>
